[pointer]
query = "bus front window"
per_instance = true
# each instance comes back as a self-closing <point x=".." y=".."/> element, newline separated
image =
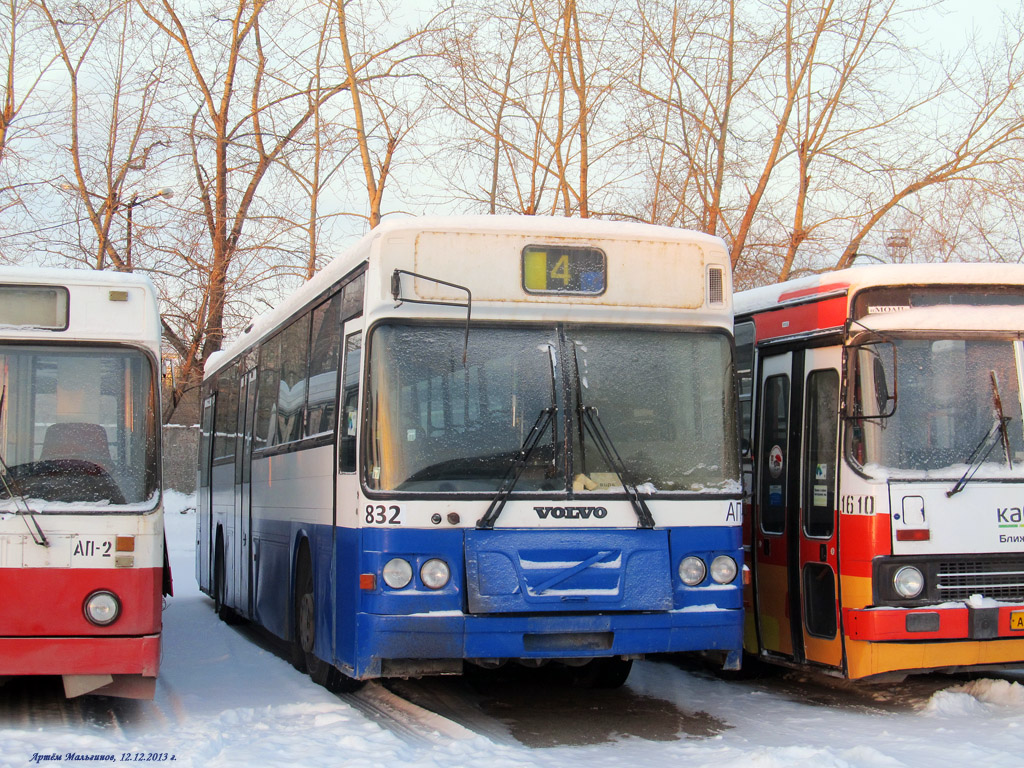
<point x="662" y="398"/>
<point x="665" y="399"/>
<point x="78" y="426"/>
<point x="945" y="407"/>
<point x="437" y="425"/>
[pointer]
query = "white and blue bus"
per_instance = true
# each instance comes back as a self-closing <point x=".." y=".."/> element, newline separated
<point x="482" y="440"/>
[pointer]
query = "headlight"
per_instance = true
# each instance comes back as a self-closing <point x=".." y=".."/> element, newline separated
<point x="908" y="581"/>
<point x="435" y="573"/>
<point x="692" y="571"/>
<point x="723" y="569"/>
<point x="397" y="573"/>
<point x="102" y="608"/>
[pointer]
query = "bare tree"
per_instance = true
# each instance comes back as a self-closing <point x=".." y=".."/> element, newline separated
<point x="247" y="113"/>
<point x="26" y="60"/>
<point x="113" y="83"/>
<point x="534" y="86"/>
<point x="976" y="144"/>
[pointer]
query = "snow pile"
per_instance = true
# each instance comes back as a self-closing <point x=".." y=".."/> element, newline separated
<point x="976" y="697"/>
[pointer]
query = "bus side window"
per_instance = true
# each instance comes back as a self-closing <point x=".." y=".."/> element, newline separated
<point x="206" y="442"/>
<point x="745" y="380"/>
<point x="349" y="403"/>
<point x="323" y="367"/>
<point x="226" y="414"/>
<point x="265" y="433"/>
<point x="291" y="384"/>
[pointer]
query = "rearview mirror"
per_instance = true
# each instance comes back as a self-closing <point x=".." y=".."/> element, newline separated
<point x="871" y="389"/>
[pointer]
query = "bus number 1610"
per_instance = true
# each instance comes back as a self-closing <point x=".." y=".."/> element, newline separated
<point x="857" y="505"/>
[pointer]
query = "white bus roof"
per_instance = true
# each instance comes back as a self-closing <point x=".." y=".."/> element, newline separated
<point x="103" y="306"/>
<point x="855" y="278"/>
<point x="528" y="226"/>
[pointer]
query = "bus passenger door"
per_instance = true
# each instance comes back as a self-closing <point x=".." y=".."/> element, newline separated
<point x="204" y="501"/>
<point x="773" y="528"/>
<point x="818" y="539"/>
<point x="243" y="493"/>
<point x="346" y="506"/>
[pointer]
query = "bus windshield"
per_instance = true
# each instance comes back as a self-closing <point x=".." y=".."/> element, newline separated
<point x="78" y="427"/>
<point x="664" y="400"/>
<point x="945" y="407"/>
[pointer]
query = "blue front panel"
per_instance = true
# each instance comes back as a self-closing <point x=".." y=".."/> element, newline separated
<point x="527" y="571"/>
<point x="633" y="568"/>
<point x="707" y="544"/>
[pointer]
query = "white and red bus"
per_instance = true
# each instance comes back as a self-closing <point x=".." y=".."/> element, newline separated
<point x="884" y="446"/>
<point x="82" y="563"/>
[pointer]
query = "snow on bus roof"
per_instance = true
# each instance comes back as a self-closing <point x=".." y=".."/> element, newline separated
<point x="543" y="226"/>
<point x="48" y="275"/>
<point x="855" y="278"/>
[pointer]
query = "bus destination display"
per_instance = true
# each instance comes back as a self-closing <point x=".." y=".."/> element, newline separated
<point x="563" y="269"/>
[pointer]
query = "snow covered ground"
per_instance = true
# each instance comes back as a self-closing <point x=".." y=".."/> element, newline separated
<point x="223" y="700"/>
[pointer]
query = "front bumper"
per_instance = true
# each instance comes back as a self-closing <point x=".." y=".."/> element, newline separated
<point x="942" y="622"/>
<point x="451" y="635"/>
<point x="80" y="655"/>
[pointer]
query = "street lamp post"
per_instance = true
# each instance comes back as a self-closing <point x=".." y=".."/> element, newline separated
<point x="128" y="207"/>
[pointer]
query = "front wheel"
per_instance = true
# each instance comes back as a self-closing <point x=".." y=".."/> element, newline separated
<point x="603" y="673"/>
<point x="321" y="673"/>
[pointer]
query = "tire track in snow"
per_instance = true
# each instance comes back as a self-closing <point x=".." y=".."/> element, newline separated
<point x="412" y="723"/>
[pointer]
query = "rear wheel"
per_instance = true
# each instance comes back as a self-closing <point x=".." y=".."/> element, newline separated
<point x="303" y="655"/>
<point x="226" y="614"/>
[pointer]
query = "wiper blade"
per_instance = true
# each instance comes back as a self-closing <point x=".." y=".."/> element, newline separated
<point x="10" y="485"/>
<point x="988" y="442"/>
<point x="516" y="468"/>
<point x="592" y="420"/>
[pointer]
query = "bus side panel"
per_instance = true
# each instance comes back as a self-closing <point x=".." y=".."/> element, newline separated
<point x="272" y="575"/>
<point x="204" y="541"/>
<point x="222" y="500"/>
<point x="321" y="542"/>
<point x="347" y="595"/>
<point x="292" y="501"/>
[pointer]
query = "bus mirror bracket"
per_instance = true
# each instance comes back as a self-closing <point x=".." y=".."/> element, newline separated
<point x="869" y="341"/>
<point x="396" y="293"/>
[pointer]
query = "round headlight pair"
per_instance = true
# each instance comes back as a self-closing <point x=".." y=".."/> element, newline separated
<point x="434" y="573"/>
<point x="692" y="570"/>
<point x="102" y="608"/>
<point x="908" y="582"/>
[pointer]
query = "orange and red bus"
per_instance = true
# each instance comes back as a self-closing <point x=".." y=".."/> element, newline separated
<point x="884" y="467"/>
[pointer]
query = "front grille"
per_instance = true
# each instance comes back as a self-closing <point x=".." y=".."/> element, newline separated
<point x="997" y="579"/>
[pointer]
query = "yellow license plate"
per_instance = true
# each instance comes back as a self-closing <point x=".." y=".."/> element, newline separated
<point x="1017" y="620"/>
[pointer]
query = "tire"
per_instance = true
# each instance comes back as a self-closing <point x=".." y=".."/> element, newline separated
<point x="605" y="673"/>
<point x="225" y="614"/>
<point x="303" y="656"/>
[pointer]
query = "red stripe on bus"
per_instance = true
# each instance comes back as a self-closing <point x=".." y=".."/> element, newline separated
<point x="803" y="318"/>
<point x="49" y="602"/>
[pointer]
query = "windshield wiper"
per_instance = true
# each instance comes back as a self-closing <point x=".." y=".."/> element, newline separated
<point x="988" y="442"/>
<point x="517" y="467"/>
<point x="590" y="421"/>
<point x="10" y="484"/>
<point x="605" y="446"/>
<point x="545" y="419"/>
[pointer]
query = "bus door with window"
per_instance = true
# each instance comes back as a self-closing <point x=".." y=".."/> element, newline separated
<point x="795" y="546"/>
